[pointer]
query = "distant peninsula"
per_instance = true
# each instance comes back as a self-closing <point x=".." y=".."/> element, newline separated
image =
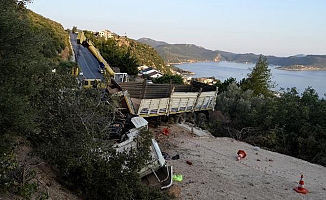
<point x="186" y="53"/>
<point x="302" y="68"/>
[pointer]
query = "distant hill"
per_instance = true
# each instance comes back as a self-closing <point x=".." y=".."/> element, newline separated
<point x="145" y="54"/>
<point x="295" y="62"/>
<point x="300" y="55"/>
<point x="179" y="53"/>
<point x="150" y="42"/>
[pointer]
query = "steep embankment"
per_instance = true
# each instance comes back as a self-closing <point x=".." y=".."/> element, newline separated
<point x="31" y="47"/>
<point x="58" y="39"/>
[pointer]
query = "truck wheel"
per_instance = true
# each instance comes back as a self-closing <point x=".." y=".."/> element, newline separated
<point x="181" y="118"/>
<point x="191" y="117"/>
<point x="202" y="120"/>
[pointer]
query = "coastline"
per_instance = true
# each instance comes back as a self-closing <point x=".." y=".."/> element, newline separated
<point x="287" y="68"/>
<point x="181" y="71"/>
<point x="301" y="68"/>
<point x="191" y="61"/>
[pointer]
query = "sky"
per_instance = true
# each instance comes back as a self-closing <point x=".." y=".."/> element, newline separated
<point x="268" y="27"/>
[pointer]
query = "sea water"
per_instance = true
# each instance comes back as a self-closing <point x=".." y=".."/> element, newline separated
<point x="282" y="78"/>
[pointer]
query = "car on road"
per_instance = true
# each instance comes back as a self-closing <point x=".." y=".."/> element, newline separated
<point x="100" y="69"/>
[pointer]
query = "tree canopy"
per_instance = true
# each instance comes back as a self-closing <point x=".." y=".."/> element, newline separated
<point x="259" y="79"/>
<point x="166" y="78"/>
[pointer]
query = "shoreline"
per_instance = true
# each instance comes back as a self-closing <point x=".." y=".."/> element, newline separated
<point x="286" y="68"/>
<point x="301" y="68"/>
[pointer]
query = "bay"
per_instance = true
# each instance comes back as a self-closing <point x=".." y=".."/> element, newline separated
<point x="283" y="78"/>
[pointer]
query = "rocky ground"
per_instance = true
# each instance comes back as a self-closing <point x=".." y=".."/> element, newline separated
<point x="213" y="172"/>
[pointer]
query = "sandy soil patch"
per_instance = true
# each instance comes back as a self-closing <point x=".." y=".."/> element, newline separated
<point x="215" y="172"/>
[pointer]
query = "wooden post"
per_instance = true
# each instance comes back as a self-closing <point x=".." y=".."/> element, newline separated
<point x="143" y="89"/>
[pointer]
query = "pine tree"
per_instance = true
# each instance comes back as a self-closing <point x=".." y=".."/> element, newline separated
<point x="259" y="79"/>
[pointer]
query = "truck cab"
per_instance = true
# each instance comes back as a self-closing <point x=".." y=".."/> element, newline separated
<point x="156" y="172"/>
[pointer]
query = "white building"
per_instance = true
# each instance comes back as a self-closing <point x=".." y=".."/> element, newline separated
<point x="106" y="34"/>
<point x="143" y="67"/>
<point x="155" y="74"/>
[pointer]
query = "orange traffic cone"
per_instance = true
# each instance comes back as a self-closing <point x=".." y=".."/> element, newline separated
<point x="241" y="154"/>
<point x="301" y="189"/>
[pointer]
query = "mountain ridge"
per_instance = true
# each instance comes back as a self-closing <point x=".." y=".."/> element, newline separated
<point x="181" y="53"/>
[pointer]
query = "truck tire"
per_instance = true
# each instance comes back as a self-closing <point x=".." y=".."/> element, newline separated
<point x="202" y="121"/>
<point x="191" y="117"/>
<point x="181" y="118"/>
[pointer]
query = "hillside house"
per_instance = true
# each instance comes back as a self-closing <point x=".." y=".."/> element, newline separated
<point x="152" y="73"/>
<point x="106" y="34"/>
<point x="207" y="80"/>
<point x="140" y="68"/>
<point x="155" y="74"/>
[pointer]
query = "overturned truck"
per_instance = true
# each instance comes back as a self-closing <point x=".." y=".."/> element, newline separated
<point x="182" y="102"/>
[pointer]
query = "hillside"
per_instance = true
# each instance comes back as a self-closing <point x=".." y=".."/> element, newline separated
<point x="53" y="31"/>
<point x="31" y="47"/>
<point x="117" y="47"/>
<point x="150" y="42"/>
<point x="49" y="130"/>
<point x="145" y="54"/>
<point x="178" y="53"/>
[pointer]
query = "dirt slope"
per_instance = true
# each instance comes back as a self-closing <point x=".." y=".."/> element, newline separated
<point x="44" y="177"/>
<point x="215" y="172"/>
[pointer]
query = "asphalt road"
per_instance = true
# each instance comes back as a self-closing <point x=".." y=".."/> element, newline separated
<point x="85" y="60"/>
